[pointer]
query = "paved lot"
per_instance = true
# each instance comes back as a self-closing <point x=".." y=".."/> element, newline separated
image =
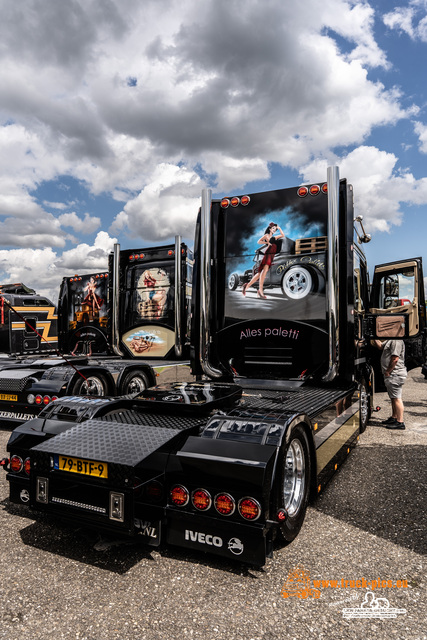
<point x="368" y="524"/>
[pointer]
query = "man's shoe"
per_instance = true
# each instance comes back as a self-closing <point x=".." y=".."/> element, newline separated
<point x="396" y="425"/>
<point x="390" y="420"/>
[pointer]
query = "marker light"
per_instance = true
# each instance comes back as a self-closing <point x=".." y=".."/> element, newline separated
<point x="325" y="187"/>
<point x="249" y="508"/>
<point x="314" y="190"/>
<point x="201" y="499"/>
<point x="225" y="203"/>
<point x="234" y="202"/>
<point x="179" y="496"/>
<point x="245" y="200"/>
<point x="302" y="192"/>
<point x="224" y="504"/>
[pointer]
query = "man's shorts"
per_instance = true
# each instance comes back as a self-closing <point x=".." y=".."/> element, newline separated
<point x="394" y="386"/>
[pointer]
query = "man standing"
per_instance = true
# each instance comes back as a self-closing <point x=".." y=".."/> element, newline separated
<point x="395" y="372"/>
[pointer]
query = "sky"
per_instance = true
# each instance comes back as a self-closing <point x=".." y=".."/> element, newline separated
<point x="116" y="113"/>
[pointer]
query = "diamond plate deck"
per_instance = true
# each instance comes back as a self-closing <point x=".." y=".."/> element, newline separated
<point x="109" y="442"/>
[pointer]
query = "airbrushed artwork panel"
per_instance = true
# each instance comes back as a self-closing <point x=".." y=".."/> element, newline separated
<point x="275" y="257"/>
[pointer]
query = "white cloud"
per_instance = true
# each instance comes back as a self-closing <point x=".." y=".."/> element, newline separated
<point x="43" y="269"/>
<point x="86" y="226"/>
<point x="421" y="131"/>
<point x="169" y="202"/>
<point x="379" y="190"/>
<point x="207" y="89"/>
<point x="407" y="20"/>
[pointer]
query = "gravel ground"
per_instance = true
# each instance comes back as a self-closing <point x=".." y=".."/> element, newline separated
<point x="369" y="523"/>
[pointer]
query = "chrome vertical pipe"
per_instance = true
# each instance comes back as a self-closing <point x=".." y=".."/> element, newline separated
<point x="205" y="284"/>
<point x="115" y="302"/>
<point x="332" y="301"/>
<point x="178" y="297"/>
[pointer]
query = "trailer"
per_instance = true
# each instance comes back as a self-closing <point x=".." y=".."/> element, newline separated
<point x="109" y="351"/>
<point x="285" y="385"/>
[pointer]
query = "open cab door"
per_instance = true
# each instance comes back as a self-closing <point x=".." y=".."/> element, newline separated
<point x="397" y="308"/>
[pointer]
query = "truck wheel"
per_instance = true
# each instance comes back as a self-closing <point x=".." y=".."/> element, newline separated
<point x="92" y="385"/>
<point x="233" y="281"/>
<point x="364" y="406"/>
<point x="297" y="283"/>
<point x="293" y="488"/>
<point x="133" y="382"/>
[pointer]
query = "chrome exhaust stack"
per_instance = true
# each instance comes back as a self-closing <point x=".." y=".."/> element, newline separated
<point x="178" y="297"/>
<point x="115" y="302"/>
<point x="332" y="303"/>
<point x="205" y="285"/>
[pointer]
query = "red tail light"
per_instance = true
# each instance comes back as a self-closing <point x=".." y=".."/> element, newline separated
<point x="38" y="399"/>
<point x="16" y="464"/>
<point x="302" y="192"/>
<point x="224" y="504"/>
<point x="234" y="202"/>
<point x="154" y="491"/>
<point x="225" y="203"/>
<point x="325" y="187"/>
<point x="27" y="466"/>
<point x="46" y="399"/>
<point x="249" y="509"/>
<point x="201" y="499"/>
<point x="245" y="200"/>
<point x="179" y="496"/>
<point x="314" y="190"/>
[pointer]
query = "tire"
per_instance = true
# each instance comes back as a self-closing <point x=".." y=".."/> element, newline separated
<point x="233" y="281"/>
<point x="133" y="382"/>
<point x="293" y="487"/>
<point x="297" y="283"/>
<point x="91" y="385"/>
<point x="364" y="406"/>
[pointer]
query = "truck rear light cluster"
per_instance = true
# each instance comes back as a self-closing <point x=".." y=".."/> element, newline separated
<point x="39" y="400"/>
<point x="153" y="491"/>
<point x="314" y="190"/>
<point x="249" y="509"/>
<point x="97" y="277"/>
<point x="179" y="496"/>
<point x="234" y="202"/>
<point x="137" y="256"/>
<point x="201" y="499"/>
<point x="224" y="503"/>
<point x="16" y="464"/>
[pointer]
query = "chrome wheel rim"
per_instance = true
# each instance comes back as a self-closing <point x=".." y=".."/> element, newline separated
<point x="92" y="386"/>
<point x="364" y="405"/>
<point x="135" y="385"/>
<point x="294" y="478"/>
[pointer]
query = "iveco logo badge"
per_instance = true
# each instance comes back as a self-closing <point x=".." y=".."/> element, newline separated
<point x="24" y="495"/>
<point x="235" y="546"/>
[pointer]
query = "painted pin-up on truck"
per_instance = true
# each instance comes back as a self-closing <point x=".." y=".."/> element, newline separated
<point x="285" y="386"/>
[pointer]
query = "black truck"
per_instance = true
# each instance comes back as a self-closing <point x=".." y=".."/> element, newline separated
<point x="284" y="387"/>
<point x="121" y="331"/>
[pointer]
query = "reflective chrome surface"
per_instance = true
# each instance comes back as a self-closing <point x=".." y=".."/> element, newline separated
<point x="332" y="288"/>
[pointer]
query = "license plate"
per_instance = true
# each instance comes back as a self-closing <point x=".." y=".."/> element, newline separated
<point x="78" y="465"/>
<point x="8" y="397"/>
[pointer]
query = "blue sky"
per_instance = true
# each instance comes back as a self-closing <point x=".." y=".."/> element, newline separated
<point x="115" y="114"/>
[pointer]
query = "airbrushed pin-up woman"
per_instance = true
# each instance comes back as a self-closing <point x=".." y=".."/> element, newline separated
<point x="272" y="244"/>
